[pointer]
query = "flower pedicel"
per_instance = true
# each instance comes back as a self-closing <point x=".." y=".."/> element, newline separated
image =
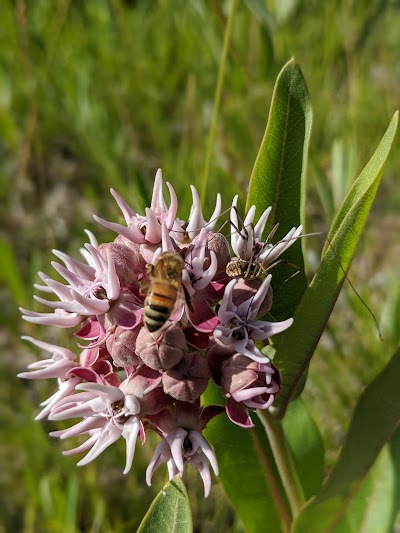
<point x="160" y="316"/>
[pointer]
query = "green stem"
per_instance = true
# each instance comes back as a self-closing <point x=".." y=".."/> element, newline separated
<point x="283" y="460"/>
<point x="217" y="99"/>
<point x="281" y="505"/>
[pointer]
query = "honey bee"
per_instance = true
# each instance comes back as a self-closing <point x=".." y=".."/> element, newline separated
<point x="240" y="268"/>
<point x="251" y="268"/>
<point x="162" y="286"/>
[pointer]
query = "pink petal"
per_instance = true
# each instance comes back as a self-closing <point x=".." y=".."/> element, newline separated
<point x="58" y="369"/>
<point x="201" y="315"/>
<point x="51" y="348"/>
<point x="90" y="330"/>
<point x="84" y="373"/>
<point x="61" y="320"/>
<point x="199" y="441"/>
<point x="132" y="233"/>
<point x="175" y="441"/>
<point x="238" y="414"/>
<point x="108" y="436"/>
<point x="161" y="453"/>
<point x="247" y="394"/>
<point x="130" y="433"/>
<point x="126" y="210"/>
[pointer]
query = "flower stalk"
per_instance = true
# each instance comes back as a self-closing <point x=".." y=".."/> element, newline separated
<point x="283" y="460"/>
<point x="280" y="503"/>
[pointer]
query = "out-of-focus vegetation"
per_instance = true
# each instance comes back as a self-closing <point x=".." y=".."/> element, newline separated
<point x="100" y="94"/>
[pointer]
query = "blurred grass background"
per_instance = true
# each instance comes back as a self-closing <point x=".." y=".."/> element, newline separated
<point x="99" y="94"/>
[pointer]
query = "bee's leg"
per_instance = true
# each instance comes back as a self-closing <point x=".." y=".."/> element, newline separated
<point x="187" y="298"/>
<point x="278" y="262"/>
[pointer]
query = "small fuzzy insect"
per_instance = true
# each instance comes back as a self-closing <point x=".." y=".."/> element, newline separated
<point x="162" y="286"/>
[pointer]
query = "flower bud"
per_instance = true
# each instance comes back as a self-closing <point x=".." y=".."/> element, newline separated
<point x="245" y="288"/>
<point x="239" y="372"/>
<point x="121" y="346"/>
<point x="217" y="243"/>
<point x="147" y="251"/>
<point x="163" y="348"/>
<point x="248" y="381"/>
<point x="128" y="263"/>
<point x="187" y="380"/>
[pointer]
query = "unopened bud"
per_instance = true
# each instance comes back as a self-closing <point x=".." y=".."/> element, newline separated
<point x="246" y="288"/>
<point x="216" y="242"/>
<point x="161" y="349"/>
<point x="239" y="372"/>
<point x="121" y="346"/>
<point x="188" y="380"/>
<point x="128" y="262"/>
<point x="147" y="251"/>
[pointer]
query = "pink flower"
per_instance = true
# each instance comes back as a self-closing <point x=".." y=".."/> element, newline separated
<point x="248" y="385"/>
<point x="246" y="240"/>
<point x="127" y="379"/>
<point x="239" y="326"/>
<point x="187" y="231"/>
<point x="183" y="441"/>
<point x="58" y="366"/>
<point x="110" y="412"/>
<point x="92" y="290"/>
<point x="201" y="263"/>
<point x="108" y="415"/>
<point x="145" y="229"/>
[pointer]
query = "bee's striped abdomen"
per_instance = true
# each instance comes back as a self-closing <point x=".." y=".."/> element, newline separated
<point x="159" y="304"/>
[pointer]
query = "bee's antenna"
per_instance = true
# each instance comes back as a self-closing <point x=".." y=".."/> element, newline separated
<point x="356" y="292"/>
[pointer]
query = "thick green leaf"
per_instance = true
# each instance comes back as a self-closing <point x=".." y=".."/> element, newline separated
<point x="278" y="178"/>
<point x="375" y="418"/>
<point x="371" y="509"/>
<point x="306" y="446"/>
<point x="298" y="343"/>
<point x="170" y="510"/>
<point x="247" y="470"/>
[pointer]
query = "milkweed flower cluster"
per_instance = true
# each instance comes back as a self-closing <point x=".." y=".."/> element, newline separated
<point x="125" y="377"/>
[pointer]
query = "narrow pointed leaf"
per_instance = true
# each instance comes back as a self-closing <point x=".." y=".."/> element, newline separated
<point x="376" y="416"/>
<point x="378" y="489"/>
<point x="306" y="446"/>
<point x="278" y="177"/>
<point x="170" y="510"/>
<point x="246" y="470"/>
<point x="298" y="343"/>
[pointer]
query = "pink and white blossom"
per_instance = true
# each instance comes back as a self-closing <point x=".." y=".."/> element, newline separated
<point x="246" y="239"/>
<point x="239" y="326"/>
<point x="122" y="380"/>
<point x="183" y="441"/>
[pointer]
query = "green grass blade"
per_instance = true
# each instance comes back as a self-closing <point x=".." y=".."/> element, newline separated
<point x="376" y="416"/>
<point x="297" y="345"/>
<point x="170" y="510"/>
<point x="10" y="273"/>
<point x="278" y="177"/>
